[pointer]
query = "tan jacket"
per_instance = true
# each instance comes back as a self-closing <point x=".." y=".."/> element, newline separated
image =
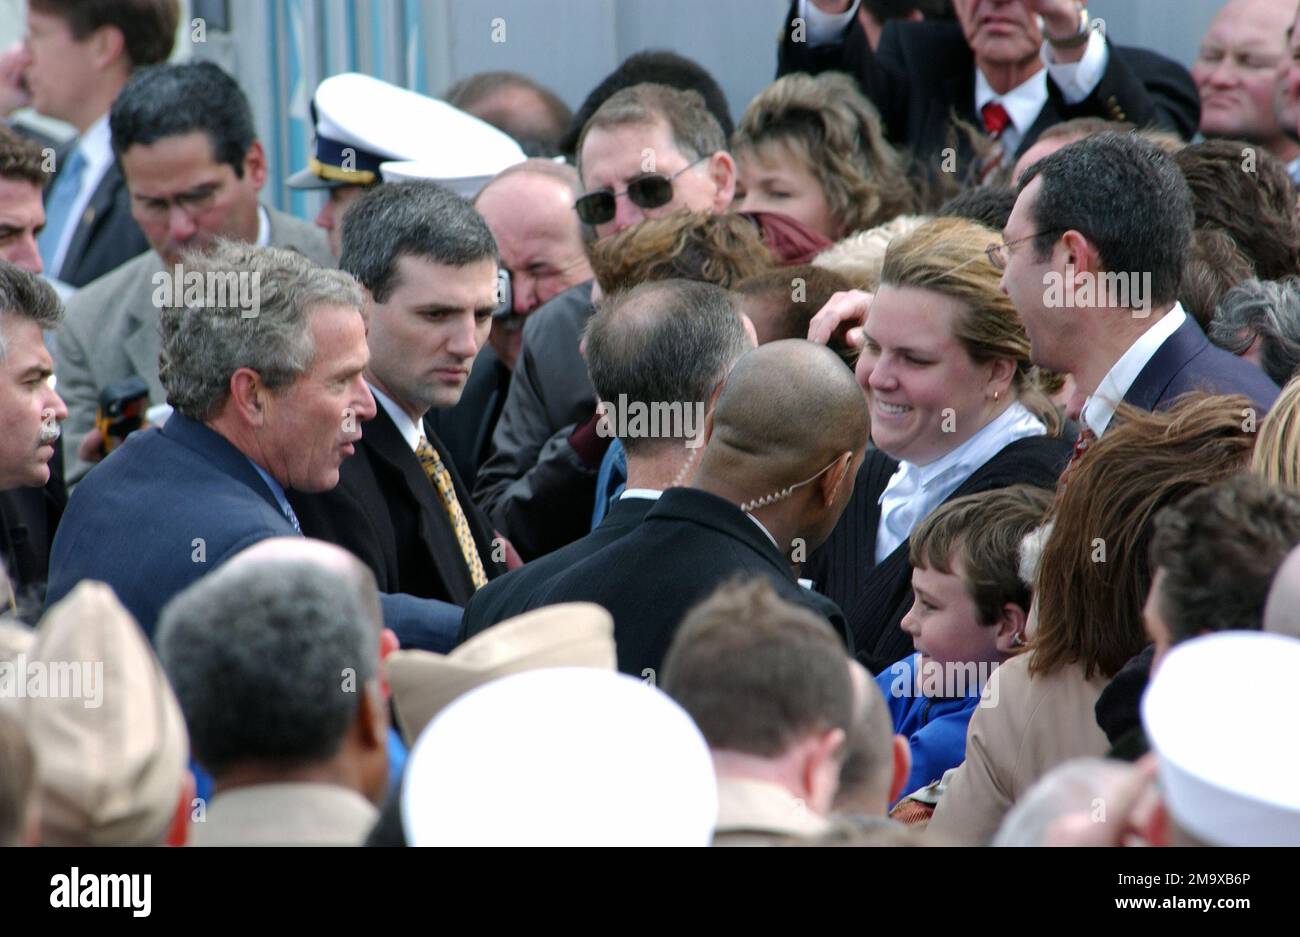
<point x="1036" y="724"/>
<point x="285" y="815"/>
<point x="756" y="813"/>
<point x="111" y="332"/>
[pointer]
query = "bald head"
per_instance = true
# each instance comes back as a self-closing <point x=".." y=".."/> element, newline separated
<point x="867" y="776"/>
<point x="327" y="556"/>
<point x="788" y="409"/>
<point x="1282" y="611"/>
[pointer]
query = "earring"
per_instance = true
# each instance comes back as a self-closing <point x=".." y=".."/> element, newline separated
<point x="997" y="395"/>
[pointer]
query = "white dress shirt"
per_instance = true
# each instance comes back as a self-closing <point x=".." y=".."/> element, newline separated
<point x="1023" y="103"/>
<point x="649" y="494"/>
<point x="263" y="227"/>
<point x="96" y="148"/>
<point x="1100" y="407"/>
<point x="405" y="425"/>
<point x="1293" y="170"/>
<point x="916" y="490"/>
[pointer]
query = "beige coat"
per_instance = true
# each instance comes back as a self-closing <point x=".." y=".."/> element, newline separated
<point x="111" y="332"/>
<point x="756" y="813"/>
<point x="1036" y="724"/>
<point x="285" y="815"/>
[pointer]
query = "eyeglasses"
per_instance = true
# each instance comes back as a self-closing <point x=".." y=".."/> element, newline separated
<point x="192" y="203"/>
<point x="997" y="253"/>
<point x="652" y="190"/>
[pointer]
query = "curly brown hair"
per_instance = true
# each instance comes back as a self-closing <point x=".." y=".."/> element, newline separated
<point x="1095" y="569"/>
<point x="719" y="249"/>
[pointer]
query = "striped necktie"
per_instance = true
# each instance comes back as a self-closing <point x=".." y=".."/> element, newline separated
<point x="433" y="467"/>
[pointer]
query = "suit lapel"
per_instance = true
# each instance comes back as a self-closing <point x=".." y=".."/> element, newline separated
<point x="100" y="203"/>
<point x="390" y="449"/>
<point x="1148" y="390"/>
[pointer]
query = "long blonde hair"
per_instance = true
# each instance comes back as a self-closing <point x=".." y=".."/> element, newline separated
<point x="947" y="256"/>
<point x="1277" y="451"/>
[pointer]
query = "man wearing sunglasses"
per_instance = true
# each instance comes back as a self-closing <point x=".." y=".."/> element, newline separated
<point x="646" y="151"/>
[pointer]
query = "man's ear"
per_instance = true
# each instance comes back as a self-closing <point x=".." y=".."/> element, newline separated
<point x="372" y="717"/>
<point x="822" y="750"/>
<point x="834" y="477"/>
<point x="902" y="768"/>
<point x="1079" y="254"/>
<point x="255" y="169"/>
<point x="387" y="644"/>
<point x="108" y="46"/>
<point x="247" y="396"/>
<point x="722" y="170"/>
<point x="1010" y="623"/>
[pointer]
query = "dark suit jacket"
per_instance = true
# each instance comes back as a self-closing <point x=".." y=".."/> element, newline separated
<point x="28" y="519"/>
<point x="513" y="594"/>
<point x="923" y="73"/>
<point x="385" y="510"/>
<point x="534" y="487"/>
<point x="172" y="503"/>
<point x="106" y="236"/>
<point x="1188" y="361"/>
<point x="690" y="543"/>
<point x="466" y="429"/>
<point x="877" y="597"/>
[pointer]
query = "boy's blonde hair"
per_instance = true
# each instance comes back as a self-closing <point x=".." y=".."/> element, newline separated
<point x="983" y="531"/>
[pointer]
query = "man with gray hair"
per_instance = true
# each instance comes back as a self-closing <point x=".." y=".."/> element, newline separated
<point x="529" y="209"/>
<point x="30" y="412"/>
<point x="276" y="665"/>
<point x="1259" y="320"/>
<point x="427" y="264"/>
<point x="264" y="402"/>
<point x="669" y="343"/>
<point x="647" y="151"/>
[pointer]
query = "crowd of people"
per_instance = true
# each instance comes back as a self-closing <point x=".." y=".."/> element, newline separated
<point x="911" y="461"/>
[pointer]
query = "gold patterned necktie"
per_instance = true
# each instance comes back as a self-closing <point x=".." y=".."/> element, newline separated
<point x="432" y="464"/>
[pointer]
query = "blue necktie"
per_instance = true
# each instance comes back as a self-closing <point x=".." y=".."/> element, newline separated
<point x="58" y="208"/>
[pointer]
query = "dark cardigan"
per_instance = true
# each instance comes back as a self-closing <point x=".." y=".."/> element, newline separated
<point x="876" y="597"/>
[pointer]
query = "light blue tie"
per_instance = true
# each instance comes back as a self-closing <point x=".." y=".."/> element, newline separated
<point x="58" y="208"/>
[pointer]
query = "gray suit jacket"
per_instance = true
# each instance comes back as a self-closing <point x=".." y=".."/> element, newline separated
<point x="110" y="332"/>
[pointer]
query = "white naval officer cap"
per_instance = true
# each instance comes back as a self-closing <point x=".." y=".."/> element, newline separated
<point x="361" y="122"/>
<point x="1220" y="713"/>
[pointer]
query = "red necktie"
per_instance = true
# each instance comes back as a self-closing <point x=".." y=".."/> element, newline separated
<point x="1085" y="439"/>
<point x="996" y="119"/>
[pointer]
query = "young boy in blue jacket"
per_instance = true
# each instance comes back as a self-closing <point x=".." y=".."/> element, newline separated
<point x="968" y="615"/>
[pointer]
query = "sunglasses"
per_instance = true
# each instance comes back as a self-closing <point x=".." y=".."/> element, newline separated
<point x="652" y="190"/>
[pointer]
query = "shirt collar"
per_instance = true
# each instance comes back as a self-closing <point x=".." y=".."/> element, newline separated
<point x="650" y="494"/>
<point x="276" y="488"/>
<point x="263" y="227"/>
<point x="1100" y="407"/>
<point x="96" y="147"/>
<point x="1024" y="102"/>
<point x="989" y="440"/>
<point x="405" y="425"/>
<point x="761" y="806"/>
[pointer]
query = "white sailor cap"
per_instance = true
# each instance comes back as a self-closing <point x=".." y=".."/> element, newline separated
<point x="1221" y="715"/>
<point x="361" y="122"/>
<point x="560" y="757"/>
<point x="468" y="153"/>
